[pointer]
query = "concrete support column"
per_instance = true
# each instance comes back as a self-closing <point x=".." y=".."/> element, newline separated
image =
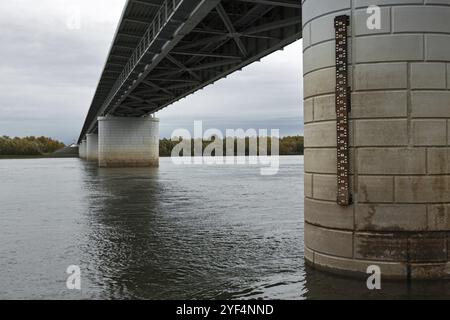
<point x="82" y="149"/>
<point x="92" y="147"/>
<point x="128" y="142"/>
<point x="399" y="137"/>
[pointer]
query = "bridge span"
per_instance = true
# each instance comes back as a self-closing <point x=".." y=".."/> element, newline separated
<point x="166" y="50"/>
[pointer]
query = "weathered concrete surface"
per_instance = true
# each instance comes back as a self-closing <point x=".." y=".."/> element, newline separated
<point x="82" y="149"/>
<point x="92" y="147"/>
<point x="128" y="142"/>
<point x="400" y="139"/>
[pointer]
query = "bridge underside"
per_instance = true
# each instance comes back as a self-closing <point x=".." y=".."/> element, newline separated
<point x="166" y="50"/>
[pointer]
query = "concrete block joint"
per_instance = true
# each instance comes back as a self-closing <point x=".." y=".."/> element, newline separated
<point x="400" y="140"/>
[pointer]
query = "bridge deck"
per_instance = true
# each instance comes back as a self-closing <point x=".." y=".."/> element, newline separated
<point x="166" y="50"/>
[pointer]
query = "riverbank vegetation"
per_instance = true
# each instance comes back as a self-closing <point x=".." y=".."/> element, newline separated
<point x="290" y="145"/>
<point x="40" y="146"/>
<point x="28" y="146"/>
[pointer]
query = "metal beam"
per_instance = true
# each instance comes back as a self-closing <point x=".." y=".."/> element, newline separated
<point x="174" y="80"/>
<point x="118" y="56"/>
<point x="214" y="65"/>
<point x="153" y="85"/>
<point x="231" y="35"/>
<point x="229" y="25"/>
<point x="137" y="20"/>
<point x="205" y="54"/>
<point x="141" y="100"/>
<point x="287" y="4"/>
<point x="150" y="4"/>
<point x="204" y="41"/>
<point x="182" y="66"/>
<point x="275" y="25"/>
<point x="130" y="35"/>
<point x="254" y="14"/>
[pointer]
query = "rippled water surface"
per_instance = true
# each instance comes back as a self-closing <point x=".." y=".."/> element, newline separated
<point x="176" y="232"/>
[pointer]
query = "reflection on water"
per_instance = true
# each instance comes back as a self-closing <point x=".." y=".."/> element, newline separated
<point x="192" y="232"/>
<point x="176" y="232"/>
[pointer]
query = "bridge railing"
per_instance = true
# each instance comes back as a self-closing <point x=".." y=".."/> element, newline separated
<point x="161" y="18"/>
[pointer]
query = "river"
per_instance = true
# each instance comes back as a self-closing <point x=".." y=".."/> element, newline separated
<point x="175" y="232"/>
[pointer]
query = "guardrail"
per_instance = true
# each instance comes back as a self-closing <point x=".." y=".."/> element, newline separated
<point x="161" y="18"/>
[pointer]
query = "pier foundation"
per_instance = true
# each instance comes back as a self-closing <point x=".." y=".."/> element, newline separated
<point x="399" y="138"/>
<point x="128" y="142"/>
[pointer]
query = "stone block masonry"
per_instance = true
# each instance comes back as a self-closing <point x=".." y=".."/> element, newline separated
<point x="399" y="139"/>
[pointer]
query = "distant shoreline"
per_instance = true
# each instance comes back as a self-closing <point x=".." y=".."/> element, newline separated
<point x="49" y="156"/>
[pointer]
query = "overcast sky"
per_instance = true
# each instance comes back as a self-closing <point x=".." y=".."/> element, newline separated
<point x="51" y="61"/>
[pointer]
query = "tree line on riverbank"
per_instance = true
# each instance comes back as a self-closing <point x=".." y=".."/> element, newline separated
<point x="28" y="146"/>
<point x="37" y="146"/>
<point x="290" y="145"/>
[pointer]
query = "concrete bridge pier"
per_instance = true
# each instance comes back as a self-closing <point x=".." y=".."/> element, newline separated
<point x="82" y="149"/>
<point x="399" y="139"/>
<point x="128" y="142"/>
<point x="92" y="147"/>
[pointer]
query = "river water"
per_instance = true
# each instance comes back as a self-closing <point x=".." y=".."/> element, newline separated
<point x="176" y="232"/>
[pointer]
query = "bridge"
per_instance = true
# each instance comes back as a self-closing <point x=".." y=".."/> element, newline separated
<point x="376" y="113"/>
<point x="166" y="50"/>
